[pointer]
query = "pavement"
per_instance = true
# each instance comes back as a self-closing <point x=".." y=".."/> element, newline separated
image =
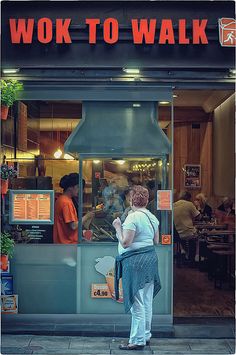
<point x="113" y="325"/>
<point x="63" y="345"/>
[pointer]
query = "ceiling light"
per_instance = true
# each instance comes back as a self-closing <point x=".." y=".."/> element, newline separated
<point x="164" y="102"/>
<point x="121" y="162"/>
<point x="136" y="105"/>
<point x="58" y="153"/>
<point x="68" y="157"/>
<point x="131" y="70"/>
<point x="174" y="96"/>
<point x="159" y="163"/>
<point x="96" y="161"/>
<point x="232" y="71"/>
<point x="10" y="71"/>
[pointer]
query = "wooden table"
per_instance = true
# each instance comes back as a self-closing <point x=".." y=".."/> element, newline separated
<point x="220" y="233"/>
<point x="210" y="226"/>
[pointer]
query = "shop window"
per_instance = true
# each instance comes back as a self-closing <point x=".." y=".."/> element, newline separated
<point x="106" y="193"/>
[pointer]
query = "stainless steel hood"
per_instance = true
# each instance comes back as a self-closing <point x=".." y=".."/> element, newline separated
<point x="118" y="129"/>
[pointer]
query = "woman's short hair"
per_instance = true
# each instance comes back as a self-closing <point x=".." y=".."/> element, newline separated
<point x="201" y="197"/>
<point x="139" y="196"/>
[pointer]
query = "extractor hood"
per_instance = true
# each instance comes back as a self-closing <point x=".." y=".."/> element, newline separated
<point x="118" y="129"/>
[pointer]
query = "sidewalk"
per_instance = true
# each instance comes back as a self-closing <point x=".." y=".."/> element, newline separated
<point x="63" y="345"/>
<point x="89" y="325"/>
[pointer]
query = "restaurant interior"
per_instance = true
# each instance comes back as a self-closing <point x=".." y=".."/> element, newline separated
<point x="203" y="162"/>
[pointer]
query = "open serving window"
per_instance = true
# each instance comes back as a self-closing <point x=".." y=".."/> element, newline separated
<point x="108" y="184"/>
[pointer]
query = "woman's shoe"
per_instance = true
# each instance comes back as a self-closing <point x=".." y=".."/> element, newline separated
<point x="131" y="347"/>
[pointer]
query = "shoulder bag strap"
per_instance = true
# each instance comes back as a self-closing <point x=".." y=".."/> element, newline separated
<point x="149" y="221"/>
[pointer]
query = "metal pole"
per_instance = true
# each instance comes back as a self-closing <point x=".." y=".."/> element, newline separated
<point x="80" y="208"/>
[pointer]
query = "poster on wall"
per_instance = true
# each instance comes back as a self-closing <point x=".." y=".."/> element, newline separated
<point x="105" y="266"/>
<point x="192" y="175"/>
<point x="164" y="200"/>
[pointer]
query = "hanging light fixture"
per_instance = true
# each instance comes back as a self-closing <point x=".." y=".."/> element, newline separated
<point x="120" y="162"/>
<point x="58" y="153"/>
<point x="68" y="157"/>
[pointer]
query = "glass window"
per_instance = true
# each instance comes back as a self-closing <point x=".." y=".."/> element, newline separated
<point x="107" y="184"/>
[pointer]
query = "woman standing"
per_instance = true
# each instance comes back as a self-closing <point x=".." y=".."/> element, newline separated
<point x="137" y="265"/>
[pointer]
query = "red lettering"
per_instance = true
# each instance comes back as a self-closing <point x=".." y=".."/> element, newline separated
<point x="22" y="30"/>
<point x="62" y="30"/>
<point x="199" y="34"/>
<point x="166" y="32"/>
<point x="110" y="30"/>
<point x="92" y="22"/>
<point x="44" y="30"/>
<point x="182" y="32"/>
<point x="144" y="31"/>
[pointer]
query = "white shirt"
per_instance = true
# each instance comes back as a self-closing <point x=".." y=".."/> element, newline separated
<point x="139" y="222"/>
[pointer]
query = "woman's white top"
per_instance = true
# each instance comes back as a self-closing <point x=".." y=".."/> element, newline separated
<point x="139" y="222"/>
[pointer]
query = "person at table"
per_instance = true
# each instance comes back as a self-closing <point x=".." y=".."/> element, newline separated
<point x="203" y="207"/>
<point x="65" y="229"/>
<point x="227" y="206"/>
<point x="184" y="214"/>
<point x="225" y="213"/>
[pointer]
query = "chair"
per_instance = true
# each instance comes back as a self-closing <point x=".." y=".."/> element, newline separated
<point x="179" y="244"/>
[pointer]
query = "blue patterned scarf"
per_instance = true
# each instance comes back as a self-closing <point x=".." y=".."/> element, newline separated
<point x="136" y="268"/>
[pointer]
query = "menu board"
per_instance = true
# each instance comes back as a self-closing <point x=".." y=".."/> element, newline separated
<point x="31" y="206"/>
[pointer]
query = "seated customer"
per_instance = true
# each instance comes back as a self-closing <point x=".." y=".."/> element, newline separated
<point x="184" y="214"/>
<point x="227" y="206"/>
<point x="225" y="213"/>
<point x="203" y="207"/>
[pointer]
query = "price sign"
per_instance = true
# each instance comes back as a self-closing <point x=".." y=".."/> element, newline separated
<point x="100" y="291"/>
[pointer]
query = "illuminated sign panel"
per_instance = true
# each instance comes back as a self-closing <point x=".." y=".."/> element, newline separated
<point x="31" y="206"/>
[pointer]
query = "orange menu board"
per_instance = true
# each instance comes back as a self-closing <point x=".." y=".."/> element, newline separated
<point x="164" y="200"/>
<point x="31" y="207"/>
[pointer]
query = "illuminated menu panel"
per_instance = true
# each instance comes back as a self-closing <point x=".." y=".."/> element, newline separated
<point x="31" y="207"/>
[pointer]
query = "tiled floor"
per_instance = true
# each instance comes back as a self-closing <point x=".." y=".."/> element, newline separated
<point x="56" y="345"/>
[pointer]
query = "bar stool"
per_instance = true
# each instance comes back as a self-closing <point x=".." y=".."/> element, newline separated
<point x="222" y="267"/>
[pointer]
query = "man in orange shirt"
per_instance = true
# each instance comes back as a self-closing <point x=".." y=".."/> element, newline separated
<point x="65" y="229"/>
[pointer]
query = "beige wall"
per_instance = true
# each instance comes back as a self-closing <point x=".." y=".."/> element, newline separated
<point x="223" y="148"/>
<point x="193" y="146"/>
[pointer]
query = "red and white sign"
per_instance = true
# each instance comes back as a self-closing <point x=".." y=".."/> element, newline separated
<point x="166" y="239"/>
<point x="164" y="200"/>
<point x="227" y="32"/>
